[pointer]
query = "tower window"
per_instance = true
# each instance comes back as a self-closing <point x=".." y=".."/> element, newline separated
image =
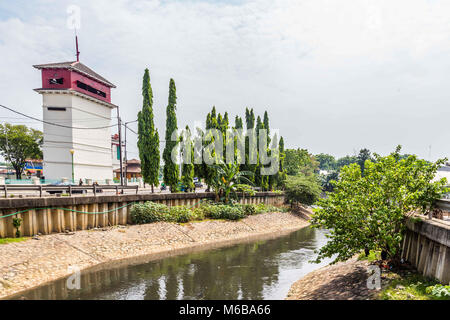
<point x="56" y="81"/>
<point x="56" y="109"/>
<point x="86" y="87"/>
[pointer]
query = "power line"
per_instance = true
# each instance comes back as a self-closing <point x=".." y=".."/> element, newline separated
<point x="132" y="130"/>
<point x="137" y="134"/>
<point x="51" y="123"/>
<point x="74" y="119"/>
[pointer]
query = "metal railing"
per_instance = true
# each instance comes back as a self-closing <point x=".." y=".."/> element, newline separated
<point x="30" y="181"/>
<point x="67" y="189"/>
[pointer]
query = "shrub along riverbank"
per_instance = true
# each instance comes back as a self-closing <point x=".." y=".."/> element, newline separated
<point x="405" y="283"/>
<point x="149" y="212"/>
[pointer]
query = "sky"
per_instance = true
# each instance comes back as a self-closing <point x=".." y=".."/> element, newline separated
<point x="334" y="76"/>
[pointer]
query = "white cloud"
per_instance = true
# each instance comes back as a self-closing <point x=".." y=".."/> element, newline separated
<point x="334" y="75"/>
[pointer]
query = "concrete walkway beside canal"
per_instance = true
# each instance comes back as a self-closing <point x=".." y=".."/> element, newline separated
<point x="24" y="265"/>
<point x="342" y="281"/>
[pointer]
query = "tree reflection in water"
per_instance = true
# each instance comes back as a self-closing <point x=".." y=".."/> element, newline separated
<point x="253" y="270"/>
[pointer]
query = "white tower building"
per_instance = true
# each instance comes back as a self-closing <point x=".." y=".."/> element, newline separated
<point x="78" y="101"/>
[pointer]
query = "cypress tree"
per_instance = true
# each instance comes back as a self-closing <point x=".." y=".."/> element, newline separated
<point x="225" y="122"/>
<point x="270" y="179"/>
<point x="281" y="176"/>
<point x="223" y="126"/>
<point x="258" y="178"/>
<point x="148" y="137"/>
<point x="211" y="123"/>
<point x="208" y="121"/>
<point x="187" y="177"/>
<point x="171" y="170"/>
<point x="238" y="125"/>
<point x="213" y="113"/>
<point x="266" y="126"/>
<point x="220" y="128"/>
<point x="238" y="122"/>
<point x="199" y="169"/>
<point x="202" y="169"/>
<point x="250" y="125"/>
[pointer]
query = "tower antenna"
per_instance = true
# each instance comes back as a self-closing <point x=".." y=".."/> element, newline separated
<point x="76" y="44"/>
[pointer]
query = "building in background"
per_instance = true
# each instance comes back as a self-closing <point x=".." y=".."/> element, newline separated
<point x="115" y="151"/>
<point x="78" y="101"/>
<point x="132" y="169"/>
<point x="443" y="172"/>
<point x="7" y="171"/>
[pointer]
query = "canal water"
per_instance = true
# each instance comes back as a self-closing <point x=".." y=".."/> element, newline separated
<point x="263" y="269"/>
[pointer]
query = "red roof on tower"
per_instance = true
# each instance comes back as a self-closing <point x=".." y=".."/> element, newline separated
<point x="77" y="67"/>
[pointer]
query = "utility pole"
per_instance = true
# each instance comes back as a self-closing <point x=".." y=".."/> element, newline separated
<point x="120" y="146"/>
<point x="126" y="158"/>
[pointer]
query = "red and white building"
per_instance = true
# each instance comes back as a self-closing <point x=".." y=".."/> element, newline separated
<point x="78" y="100"/>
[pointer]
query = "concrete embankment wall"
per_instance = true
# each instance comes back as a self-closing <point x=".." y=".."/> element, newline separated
<point x="427" y="247"/>
<point x="57" y="214"/>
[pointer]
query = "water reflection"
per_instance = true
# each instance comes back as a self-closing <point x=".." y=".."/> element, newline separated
<point x="255" y="270"/>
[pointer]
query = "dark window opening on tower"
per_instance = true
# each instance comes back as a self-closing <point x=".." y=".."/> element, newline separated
<point x="56" y="81"/>
<point x="86" y="87"/>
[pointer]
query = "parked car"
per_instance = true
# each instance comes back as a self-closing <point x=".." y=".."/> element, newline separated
<point x="198" y="183"/>
<point x="61" y="184"/>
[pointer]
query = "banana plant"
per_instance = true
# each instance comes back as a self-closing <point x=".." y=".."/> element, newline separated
<point x="227" y="177"/>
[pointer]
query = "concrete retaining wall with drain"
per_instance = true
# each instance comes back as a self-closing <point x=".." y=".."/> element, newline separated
<point x="427" y="247"/>
<point x="58" y="214"/>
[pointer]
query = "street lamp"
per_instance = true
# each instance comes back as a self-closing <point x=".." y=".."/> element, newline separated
<point x="72" y="151"/>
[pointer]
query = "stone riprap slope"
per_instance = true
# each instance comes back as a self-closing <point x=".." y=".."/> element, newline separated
<point x="341" y="281"/>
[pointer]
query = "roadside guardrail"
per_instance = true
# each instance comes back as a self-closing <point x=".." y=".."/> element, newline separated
<point x="68" y="189"/>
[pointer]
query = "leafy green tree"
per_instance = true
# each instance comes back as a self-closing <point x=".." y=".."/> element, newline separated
<point x="327" y="180"/>
<point x="302" y="189"/>
<point x="404" y="156"/>
<point x="300" y="161"/>
<point x="345" y="161"/>
<point x="364" y="154"/>
<point x="148" y="137"/>
<point x="369" y="212"/>
<point x="326" y="161"/>
<point x="171" y="170"/>
<point x="18" y="143"/>
<point x="187" y="177"/>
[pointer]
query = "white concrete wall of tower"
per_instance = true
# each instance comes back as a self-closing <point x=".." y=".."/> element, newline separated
<point x="92" y="147"/>
<point x="57" y="170"/>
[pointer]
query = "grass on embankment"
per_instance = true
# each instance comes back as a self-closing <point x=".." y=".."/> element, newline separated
<point x="408" y="284"/>
<point x="414" y="286"/>
<point x="10" y="240"/>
